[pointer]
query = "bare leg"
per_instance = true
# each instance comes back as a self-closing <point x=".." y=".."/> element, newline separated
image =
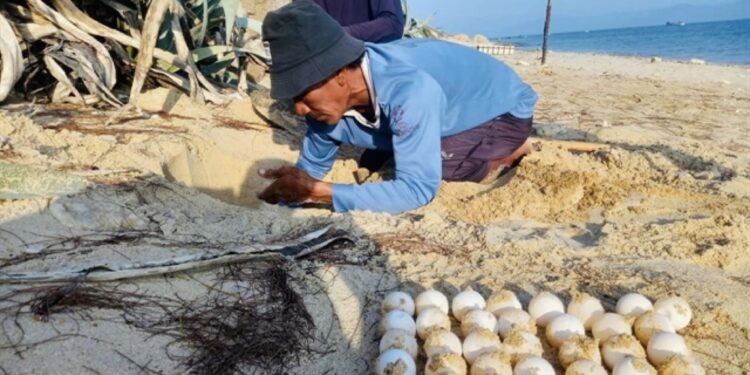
<point x="508" y="160"/>
<point x="496" y="166"/>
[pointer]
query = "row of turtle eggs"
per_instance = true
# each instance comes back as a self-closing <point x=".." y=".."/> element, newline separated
<point x="502" y="314"/>
<point x="655" y="327"/>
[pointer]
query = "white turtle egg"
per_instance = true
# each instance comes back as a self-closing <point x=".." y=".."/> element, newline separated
<point x="398" y="301"/>
<point x="562" y="327"/>
<point x="431" y="298"/>
<point x="398" y="339"/>
<point x="677" y="309"/>
<point x="682" y="365"/>
<point x="633" y="305"/>
<point x="616" y="348"/>
<point x="650" y="323"/>
<point x="520" y="344"/>
<point x="514" y="318"/>
<point x="466" y="301"/>
<point x="504" y="299"/>
<point x="495" y="363"/>
<point x="431" y="319"/>
<point x="608" y="325"/>
<point x="585" y="367"/>
<point x="633" y="366"/>
<point x="445" y="364"/>
<point x="545" y="306"/>
<point x="396" y="361"/>
<point x="665" y="345"/>
<point x="478" y="319"/>
<point x="480" y="342"/>
<point x="586" y="308"/>
<point x="578" y="348"/>
<point x="533" y="366"/>
<point x="397" y="319"/>
<point x="442" y="341"/>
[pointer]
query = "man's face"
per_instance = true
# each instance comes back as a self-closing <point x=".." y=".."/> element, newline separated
<point x="325" y="102"/>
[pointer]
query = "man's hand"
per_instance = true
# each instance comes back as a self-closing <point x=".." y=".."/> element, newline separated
<point x="293" y="185"/>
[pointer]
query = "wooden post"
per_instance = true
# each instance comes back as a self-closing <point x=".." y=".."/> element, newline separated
<point x="546" y="31"/>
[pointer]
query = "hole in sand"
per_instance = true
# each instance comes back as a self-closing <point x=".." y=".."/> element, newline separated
<point x="222" y="175"/>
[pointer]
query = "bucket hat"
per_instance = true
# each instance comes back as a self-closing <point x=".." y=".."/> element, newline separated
<point x="307" y="46"/>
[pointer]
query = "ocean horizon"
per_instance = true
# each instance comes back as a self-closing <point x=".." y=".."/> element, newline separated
<point x="722" y="42"/>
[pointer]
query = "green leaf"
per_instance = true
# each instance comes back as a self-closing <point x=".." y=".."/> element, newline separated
<point x="201" y="34"/>
<point x="217" y="66"/>
<point x="230" y="13"/>
<point x="214" y="51"/>
<point x="226" y="76"/>
<point x="24" y="182"/>
<point x="165" y="40"/>
<point x="166" y="66"/>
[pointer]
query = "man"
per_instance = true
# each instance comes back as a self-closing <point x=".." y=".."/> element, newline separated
<point x="445" y="111"/>
<point x="376" y="21"/>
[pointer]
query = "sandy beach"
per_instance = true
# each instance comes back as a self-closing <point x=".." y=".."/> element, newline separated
<point x="663" y="210"/>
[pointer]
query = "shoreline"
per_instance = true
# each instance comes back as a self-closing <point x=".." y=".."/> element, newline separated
<point x="735" y="76"/>
<point x="631" y="56"/>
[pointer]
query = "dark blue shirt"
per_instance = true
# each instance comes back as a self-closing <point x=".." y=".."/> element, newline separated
<point x="376" y="21"/>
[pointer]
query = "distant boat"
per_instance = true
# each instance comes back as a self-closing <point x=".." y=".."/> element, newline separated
<point x="675" y="23"/>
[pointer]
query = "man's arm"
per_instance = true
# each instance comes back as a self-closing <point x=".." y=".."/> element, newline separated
<point x="318" y="151"/>
<point x="303" y="181"/>
<point x="416" y="112"/>
<point x="387" y="24"/>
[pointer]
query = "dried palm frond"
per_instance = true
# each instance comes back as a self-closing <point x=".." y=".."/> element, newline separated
<point x="156" y="14"/>
<point x="106" y="66"/>
<point x="10" y="58"/>
<point x="80" y="59"/>
<point x="64" y="86"/>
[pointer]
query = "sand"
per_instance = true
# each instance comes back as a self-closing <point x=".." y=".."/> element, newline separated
<point x="664" y="210"/>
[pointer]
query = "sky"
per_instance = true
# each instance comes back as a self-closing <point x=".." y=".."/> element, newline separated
<point x="496" y="18"/>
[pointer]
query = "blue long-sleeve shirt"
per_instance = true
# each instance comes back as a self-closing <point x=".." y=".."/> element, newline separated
<point x="376" y="21"/>
<point x="425" y="90"/>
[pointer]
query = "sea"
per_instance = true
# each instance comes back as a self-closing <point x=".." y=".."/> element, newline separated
<point x="722" y="42"/>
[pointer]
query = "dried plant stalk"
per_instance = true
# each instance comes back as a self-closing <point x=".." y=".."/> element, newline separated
<point x="107" y="65"/>
<point x="10" y="58"/>
<point x="154" y="17"/>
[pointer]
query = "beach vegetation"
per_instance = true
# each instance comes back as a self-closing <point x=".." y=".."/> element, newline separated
<point x="91" y="52"/>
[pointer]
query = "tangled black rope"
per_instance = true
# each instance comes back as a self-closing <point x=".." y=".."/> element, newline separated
<point x="249" y="319"/>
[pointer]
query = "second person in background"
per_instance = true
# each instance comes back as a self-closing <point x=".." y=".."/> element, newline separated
<point x="377" y="21"/>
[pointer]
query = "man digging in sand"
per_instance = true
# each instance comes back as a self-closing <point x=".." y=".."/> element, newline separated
<point x="445" y="112"/>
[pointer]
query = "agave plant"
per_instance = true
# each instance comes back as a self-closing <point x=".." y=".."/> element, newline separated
<point x="88" y="51"/>
<point x="414" y="28"/>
